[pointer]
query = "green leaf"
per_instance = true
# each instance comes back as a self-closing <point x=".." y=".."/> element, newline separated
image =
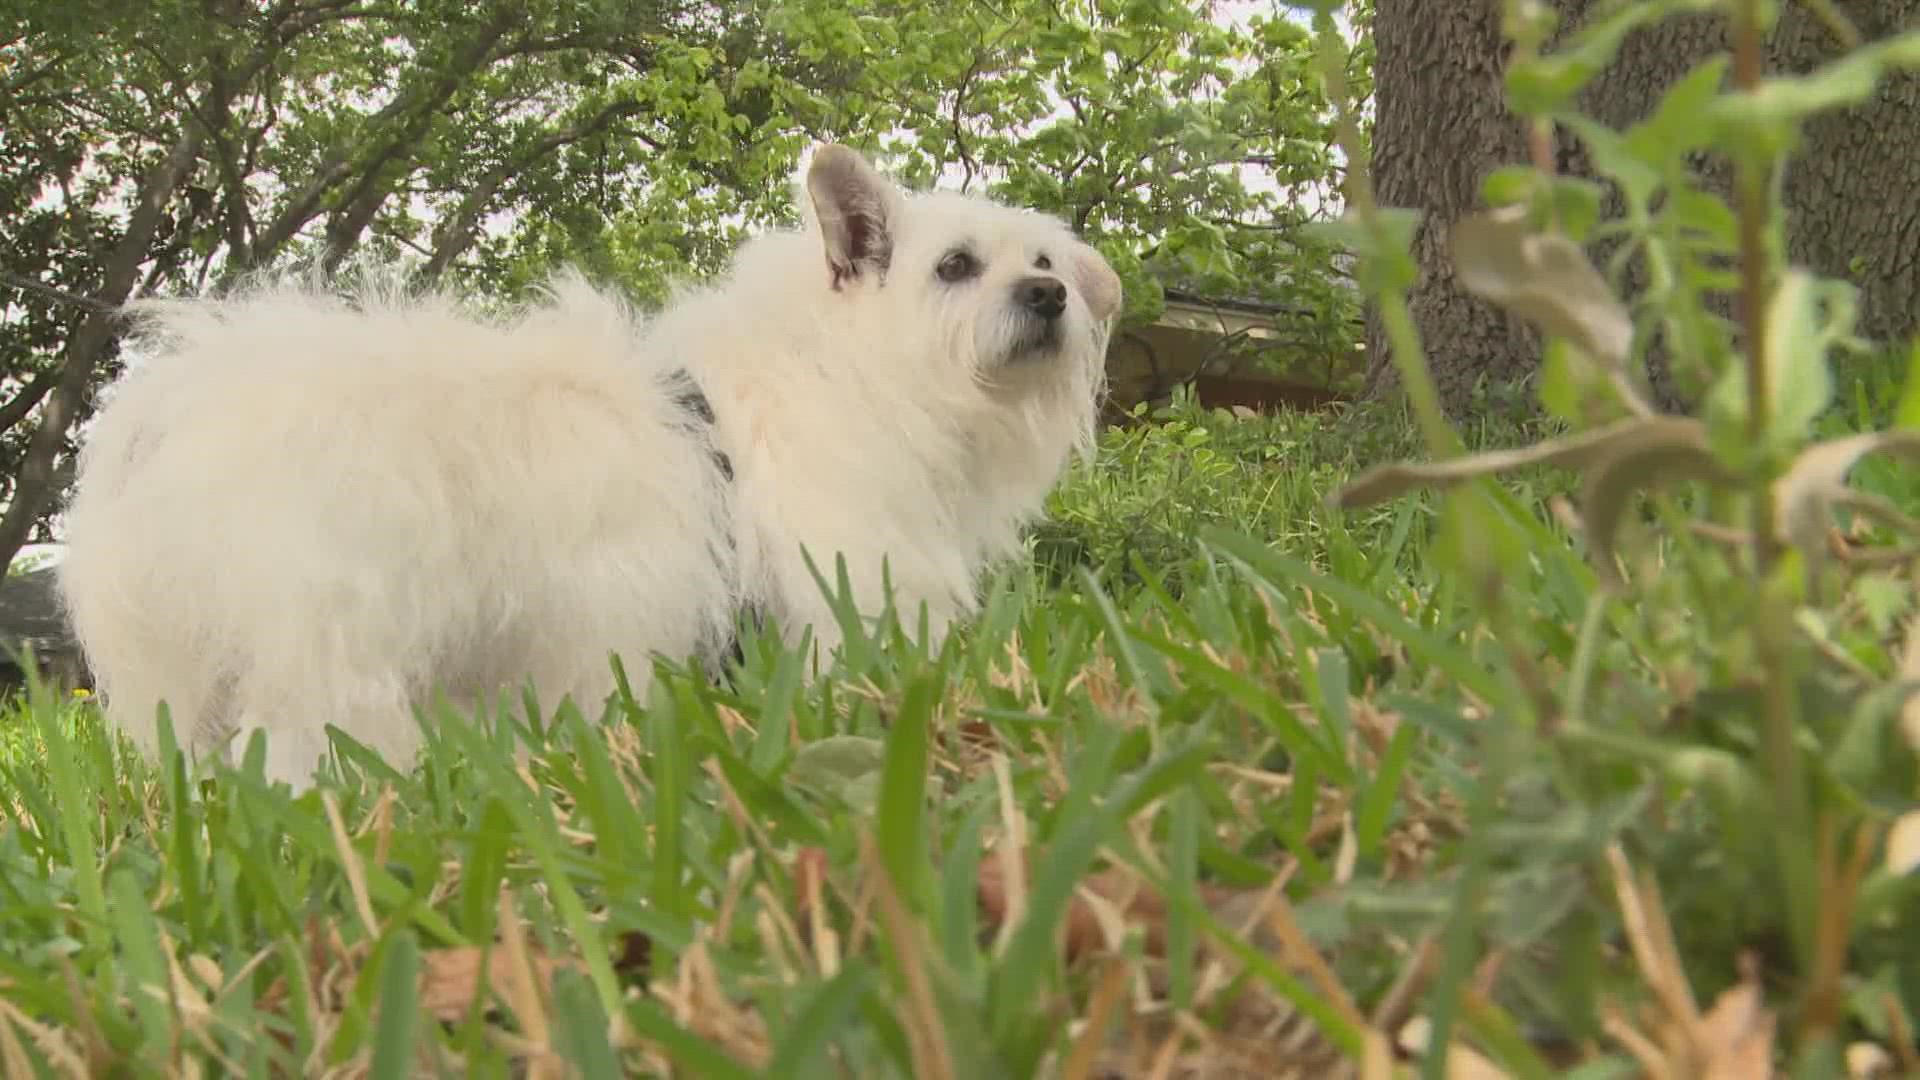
<point x="144" y="967"/>
<point x="1185" y="815"/>
<point x="1510" y="185"/>
<point x="1546" y="85"/>
<point x="1382" y="792"/>
<point x="802" y="1050"/>
<point x="1273" y="567"/>
<point x="1805" y="319"/>
<point x="1906" y="415"/>
<point x="1574" y="388"/>
<point x="1082" y="827"/>
<point x="1383" y="243"/>
<point x="1796" y="354"/>
<point x="1544" y="278"/>
<point x="1767" y="120"/>
<point x="1576" y="205"/>
<point x="485" y="868"/>
<point x="1705" y="215"/>
<point x="1668" y="450"/>
<point x="846" y="767"/>
<point x="671" y="774"/>
<point x="698" y="1056"/>
<point x="1614" y="159"/>
<point x="1675" y="129"/>
<point x="1804" y="495"/>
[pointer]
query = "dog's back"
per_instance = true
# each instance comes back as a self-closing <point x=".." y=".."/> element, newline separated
<point x="302" y="513"/>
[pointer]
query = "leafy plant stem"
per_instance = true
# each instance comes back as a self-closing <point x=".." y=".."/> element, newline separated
<point x="1771" y="641"/>
<point x="1753" y="170"/>
<point x="1409" y="357"/>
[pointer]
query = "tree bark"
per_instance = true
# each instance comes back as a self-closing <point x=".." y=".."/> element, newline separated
<point x="1852" y="192"/>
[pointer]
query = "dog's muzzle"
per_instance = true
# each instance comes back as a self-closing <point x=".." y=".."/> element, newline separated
<point x="1041" y="300"/>
<point x="1045" y="297"/>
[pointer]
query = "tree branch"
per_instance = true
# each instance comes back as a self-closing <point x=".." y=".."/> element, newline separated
<point x="237" y="219"/>
<point x="289" y="22"/>
<point x="34" y="485"/>
<point x="11" y="280"/>
<point x="458" y="231"/>
<point x="412" y="118"/>
<point x="30" y="396"/>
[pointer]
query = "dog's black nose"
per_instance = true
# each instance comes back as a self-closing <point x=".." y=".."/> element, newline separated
<point x="1044" y="296"/>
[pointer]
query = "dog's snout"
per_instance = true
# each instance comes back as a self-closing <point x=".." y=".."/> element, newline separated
<point x="1044" y="296"/>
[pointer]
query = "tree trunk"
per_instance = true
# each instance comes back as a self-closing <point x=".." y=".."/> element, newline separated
<point x="1852" y="192"/>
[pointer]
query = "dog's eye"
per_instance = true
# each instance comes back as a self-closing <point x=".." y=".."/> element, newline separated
<point x="957" y="266"/>
<point x="1043" y="263"/>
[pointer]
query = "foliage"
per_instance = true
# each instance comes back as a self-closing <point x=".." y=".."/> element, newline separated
<point x="1740" y="667"/>
<point x="178" y="146"/>
<point x="1175" y="470"/>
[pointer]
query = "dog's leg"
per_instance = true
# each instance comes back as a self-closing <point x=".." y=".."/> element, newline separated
<point x="372" y="708"/>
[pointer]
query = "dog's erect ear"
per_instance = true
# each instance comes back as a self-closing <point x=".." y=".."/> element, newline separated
<point x="1098" y="284"/>
<point x="855" y="208"/>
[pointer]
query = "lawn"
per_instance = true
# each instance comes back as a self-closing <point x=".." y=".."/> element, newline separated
<point x="1223" y="783"/>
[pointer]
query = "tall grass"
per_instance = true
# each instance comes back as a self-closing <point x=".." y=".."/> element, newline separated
<point x="1181" y="800"/>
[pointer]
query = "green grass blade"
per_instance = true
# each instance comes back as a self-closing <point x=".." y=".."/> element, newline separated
<point x="143" y="967"/>
<point x="820" y="1019"/>
<point x="901" y="831"/>
<point x="582" y="1027"/>
<point x="1274" y="567"/>
<point x="397" y="1019"/>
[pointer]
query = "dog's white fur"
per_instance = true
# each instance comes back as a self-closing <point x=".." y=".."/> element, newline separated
<point x="308" y="511"/>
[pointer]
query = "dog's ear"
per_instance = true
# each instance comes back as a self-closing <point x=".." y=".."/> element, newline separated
<point x="1099" y="285"/>
<point x="855" y="208"/>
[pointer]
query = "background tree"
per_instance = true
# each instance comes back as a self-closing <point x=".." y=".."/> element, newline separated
<point x="174" y="146"/>
<point x="1442" y="128"/>
<point x="161" y="148"/>
<point x="1191" y="149"/>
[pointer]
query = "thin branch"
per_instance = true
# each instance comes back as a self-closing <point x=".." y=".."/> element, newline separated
<point x="12" y="280"/>
<point x="30" y="396"/>
<point x="457" y="233"/>
<point x="237" y="221"/>
<point x="413" y="120"/>
<point x="11" y="88"/>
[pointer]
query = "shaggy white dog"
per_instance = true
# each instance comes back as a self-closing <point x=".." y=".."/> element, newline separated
<point x="307" y="510"/>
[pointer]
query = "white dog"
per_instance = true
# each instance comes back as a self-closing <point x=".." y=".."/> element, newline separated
<point x="306" y="511"/>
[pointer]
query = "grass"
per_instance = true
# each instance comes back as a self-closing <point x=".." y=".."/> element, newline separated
<point x="1224" y="783"/>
